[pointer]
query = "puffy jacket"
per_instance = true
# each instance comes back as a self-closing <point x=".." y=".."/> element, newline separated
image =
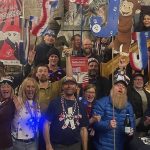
<point x="104" y="135"/>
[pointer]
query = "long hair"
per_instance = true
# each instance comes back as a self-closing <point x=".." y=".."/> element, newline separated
<point x="22" y="88"/>
<point x="11" y="96"/>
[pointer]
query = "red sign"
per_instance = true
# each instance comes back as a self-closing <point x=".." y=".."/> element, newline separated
<point x="80" y="69"/>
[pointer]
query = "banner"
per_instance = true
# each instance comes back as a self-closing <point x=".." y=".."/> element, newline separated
<point x="10" y="30"/>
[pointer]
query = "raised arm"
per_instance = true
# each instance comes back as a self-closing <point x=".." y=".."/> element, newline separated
<point x="68" y="53"/>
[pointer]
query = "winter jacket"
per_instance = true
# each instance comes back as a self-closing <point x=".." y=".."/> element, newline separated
<point x="104" y="135"/>
<point x="136" y="101"/>
<point x="41" y="56"/>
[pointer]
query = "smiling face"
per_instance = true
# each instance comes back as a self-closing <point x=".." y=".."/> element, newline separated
<point x="138" y="83"/>
<point x="126" y="8"/>
<point x="90" y="94"/>
<point x="87" y="46"/>
<point x="76" y="42"/>
<point x="5" y="90"/>
<point x="49" y="39"/>
<point x="146" y="21"/>
<point x="53" y="60"/>
<point x="69" y="88"/>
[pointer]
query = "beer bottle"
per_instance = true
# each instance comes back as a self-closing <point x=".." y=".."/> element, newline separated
<point x="127" y="124"/>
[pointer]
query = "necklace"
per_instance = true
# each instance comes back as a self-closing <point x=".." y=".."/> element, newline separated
<point x="75" y="108"/>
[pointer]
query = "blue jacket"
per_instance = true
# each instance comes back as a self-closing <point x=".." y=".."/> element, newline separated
<point x="104" y="135"/>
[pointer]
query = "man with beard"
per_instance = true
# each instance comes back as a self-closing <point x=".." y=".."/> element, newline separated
<point x="67" y="122"/>
<point x="110" y="130"/>
<point x="48" y="91"/>
<point x="102" y="84"/>
<point x="87" y="46"/>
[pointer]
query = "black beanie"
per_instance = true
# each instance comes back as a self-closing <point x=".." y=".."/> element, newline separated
<point x="54" y="51"/>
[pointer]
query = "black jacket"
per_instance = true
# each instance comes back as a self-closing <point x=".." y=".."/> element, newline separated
<point x="41" y="53"/>
<point x="136" y="101"/>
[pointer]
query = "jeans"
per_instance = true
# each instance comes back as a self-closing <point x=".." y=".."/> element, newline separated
<point x="17" y="145"/>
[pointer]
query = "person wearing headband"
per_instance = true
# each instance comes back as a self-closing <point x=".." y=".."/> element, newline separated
<point x="7" y="110"/>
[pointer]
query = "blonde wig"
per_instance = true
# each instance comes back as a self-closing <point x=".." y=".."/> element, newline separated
<point x="22" y="89"/>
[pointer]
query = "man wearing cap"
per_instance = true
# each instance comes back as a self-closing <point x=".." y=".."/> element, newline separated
<point x="102" y="84"/>
<point x="139" y="97"/>
<point x="67" y="122"/>
<point x="44" y="47"/>
<point x="112" y="110"/>
<point x="7" y="110"/>
<point x="48" y="91"/>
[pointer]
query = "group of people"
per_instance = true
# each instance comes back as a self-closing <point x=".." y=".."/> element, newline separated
<point x="50" y="111"/>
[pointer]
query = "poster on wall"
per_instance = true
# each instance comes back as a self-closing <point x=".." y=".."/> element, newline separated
<point x="77" y="14"/>
<point x="10" y="31"/>
<point x="80" y="69"/>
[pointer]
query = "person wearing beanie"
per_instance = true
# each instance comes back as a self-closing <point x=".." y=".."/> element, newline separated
<point x="42" y="49"/>
<point x="7" y="111"/>
<point x="102" y="84"/>
<point x="55" y="71"/>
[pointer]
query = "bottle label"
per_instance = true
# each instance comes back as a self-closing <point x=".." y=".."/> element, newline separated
<point x="127" y="130"/>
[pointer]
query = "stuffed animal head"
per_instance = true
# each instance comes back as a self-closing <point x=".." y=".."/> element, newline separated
<point x="129" y="7"/>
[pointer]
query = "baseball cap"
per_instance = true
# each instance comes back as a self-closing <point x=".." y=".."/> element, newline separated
<point x="69" y="79"/>
<point x="125" y="83"/>
<point x="50" y="33"/>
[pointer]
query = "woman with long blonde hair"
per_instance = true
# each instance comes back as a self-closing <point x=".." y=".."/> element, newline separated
<point x="26" y="120"/>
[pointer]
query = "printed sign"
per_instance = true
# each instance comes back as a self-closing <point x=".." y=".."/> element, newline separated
<point x="80" y="69"/>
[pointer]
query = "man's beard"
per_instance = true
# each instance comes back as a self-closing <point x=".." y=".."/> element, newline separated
<point x="87" y="52"/>
<point x="93" y="73"/>
<point x="43" y="79"/>
<point x="119" y="100"/>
